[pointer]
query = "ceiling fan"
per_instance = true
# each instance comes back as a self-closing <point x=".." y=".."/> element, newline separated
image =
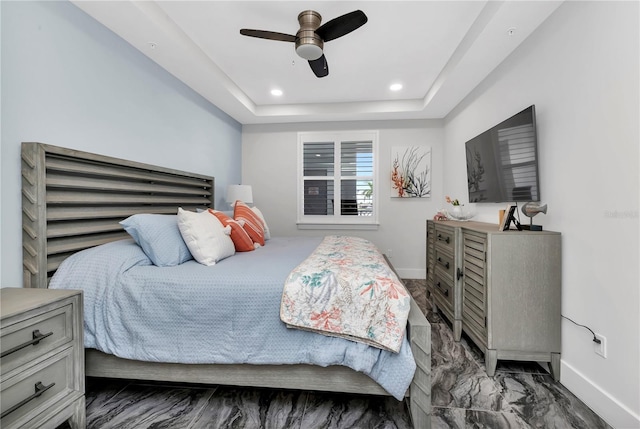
<point x="311" y="36"/>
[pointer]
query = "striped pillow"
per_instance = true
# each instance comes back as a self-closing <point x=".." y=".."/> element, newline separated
<point x="252" y="223"/>
<point x="241" y="240"/>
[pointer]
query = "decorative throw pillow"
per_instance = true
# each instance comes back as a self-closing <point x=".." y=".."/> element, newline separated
<point x="252" y="223"/>
<point x="159" y="237"/>
<point x="241" y="239"/>
<point x="267" y="233"/>
<point x="207" y="239"/>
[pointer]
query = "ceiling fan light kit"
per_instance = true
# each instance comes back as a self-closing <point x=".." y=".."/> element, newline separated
<point x="309" y="51"/>
<point x="310" y="38"/>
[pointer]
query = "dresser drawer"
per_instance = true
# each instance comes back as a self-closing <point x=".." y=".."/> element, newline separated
<point x="444" y="289"/>
<point x="445" y="238"/>
<point x="444" y="262"/>
<point x="19" y="400"/>
<point x="19" y="341"/>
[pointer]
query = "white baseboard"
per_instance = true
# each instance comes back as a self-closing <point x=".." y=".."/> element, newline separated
<point x="602" y="403"/>
<point x="411" y="273"/>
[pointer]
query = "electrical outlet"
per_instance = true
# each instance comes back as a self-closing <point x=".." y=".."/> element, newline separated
<point x="601" y="348"/>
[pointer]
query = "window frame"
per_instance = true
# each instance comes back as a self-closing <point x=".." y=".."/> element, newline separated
<point x="337" y="221"/>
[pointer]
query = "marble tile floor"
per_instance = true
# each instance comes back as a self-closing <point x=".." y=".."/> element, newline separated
<point x="521" y="395"/>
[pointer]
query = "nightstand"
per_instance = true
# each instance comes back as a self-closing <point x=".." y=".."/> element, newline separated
<point x="42" y="363"/>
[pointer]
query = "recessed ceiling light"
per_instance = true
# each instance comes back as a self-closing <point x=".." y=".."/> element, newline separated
<point x="276" y="92"/>
<point x="396" y="87"/>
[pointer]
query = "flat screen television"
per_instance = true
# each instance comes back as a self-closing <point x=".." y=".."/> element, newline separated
<point x="502" y="162"/>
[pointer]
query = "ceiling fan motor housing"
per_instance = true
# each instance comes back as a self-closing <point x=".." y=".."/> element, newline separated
<point x="308" y="45"/>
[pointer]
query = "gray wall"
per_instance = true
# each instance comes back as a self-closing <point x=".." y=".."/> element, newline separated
<point x="69" y="81"/>
<point x="581" y="70"/>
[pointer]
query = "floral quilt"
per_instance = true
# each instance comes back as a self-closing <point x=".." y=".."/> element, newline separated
<point x="346" y="289"/>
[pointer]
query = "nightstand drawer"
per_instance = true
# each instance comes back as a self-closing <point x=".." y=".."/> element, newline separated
<point x="29" y="339"/>
<point x="36" y="388"/>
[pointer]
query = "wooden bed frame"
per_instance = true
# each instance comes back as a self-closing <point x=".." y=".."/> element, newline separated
<point x="73" y="200"/>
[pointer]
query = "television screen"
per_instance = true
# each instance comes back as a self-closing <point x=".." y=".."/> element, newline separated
<point x="502" y="162"/>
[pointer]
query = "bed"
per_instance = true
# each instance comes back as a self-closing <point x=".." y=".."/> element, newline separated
<point x="74" y="200"/>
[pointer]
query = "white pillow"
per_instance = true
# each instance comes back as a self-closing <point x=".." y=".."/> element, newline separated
<point x="207" y="240"/>
<point x="267" y="234"/>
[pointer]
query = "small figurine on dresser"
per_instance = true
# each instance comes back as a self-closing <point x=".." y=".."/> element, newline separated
<point x="440" y="216"/>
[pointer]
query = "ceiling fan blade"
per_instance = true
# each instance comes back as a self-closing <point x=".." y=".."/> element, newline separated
<point x="271" y="35"/>
<point x="320" y="66"/>
<point x="341" y="25"/>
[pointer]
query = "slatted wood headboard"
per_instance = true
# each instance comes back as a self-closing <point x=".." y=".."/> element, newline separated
<point x="73" y="200"/>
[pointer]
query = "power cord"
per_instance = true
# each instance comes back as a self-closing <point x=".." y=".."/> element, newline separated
<point x="595" y="339"/>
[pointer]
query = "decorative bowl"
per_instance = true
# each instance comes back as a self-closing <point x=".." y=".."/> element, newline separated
<point x="462" y="215"/>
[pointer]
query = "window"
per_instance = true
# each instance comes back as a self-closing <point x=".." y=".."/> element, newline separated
<point x="336" y="180"/>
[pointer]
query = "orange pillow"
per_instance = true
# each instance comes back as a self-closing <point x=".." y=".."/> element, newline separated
<point x="240" y="238"/>
<point x="252" y="223"/>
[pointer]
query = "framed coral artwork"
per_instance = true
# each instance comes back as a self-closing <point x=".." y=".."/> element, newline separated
<point x="411" y="171"/>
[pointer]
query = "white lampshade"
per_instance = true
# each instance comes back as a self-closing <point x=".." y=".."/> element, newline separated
<point x="239" y="192"/>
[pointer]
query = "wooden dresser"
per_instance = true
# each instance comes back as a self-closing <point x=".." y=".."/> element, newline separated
<point x="42" y="363"/>
<point x="501" y="288"/>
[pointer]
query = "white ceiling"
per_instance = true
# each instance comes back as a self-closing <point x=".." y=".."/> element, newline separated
<point x="438" y="50"/>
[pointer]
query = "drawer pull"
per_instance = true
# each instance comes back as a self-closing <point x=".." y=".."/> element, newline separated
<point x="446" y="240"/>
<point x="459" y="274"/>
<point x="40" y="389"/>
<point x="445" y="264"/>
<point x="445" y="291"/>
<point x="37" y="336"/>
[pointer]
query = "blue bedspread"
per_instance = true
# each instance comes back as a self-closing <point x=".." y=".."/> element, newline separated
<point x="226" y="313"/>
